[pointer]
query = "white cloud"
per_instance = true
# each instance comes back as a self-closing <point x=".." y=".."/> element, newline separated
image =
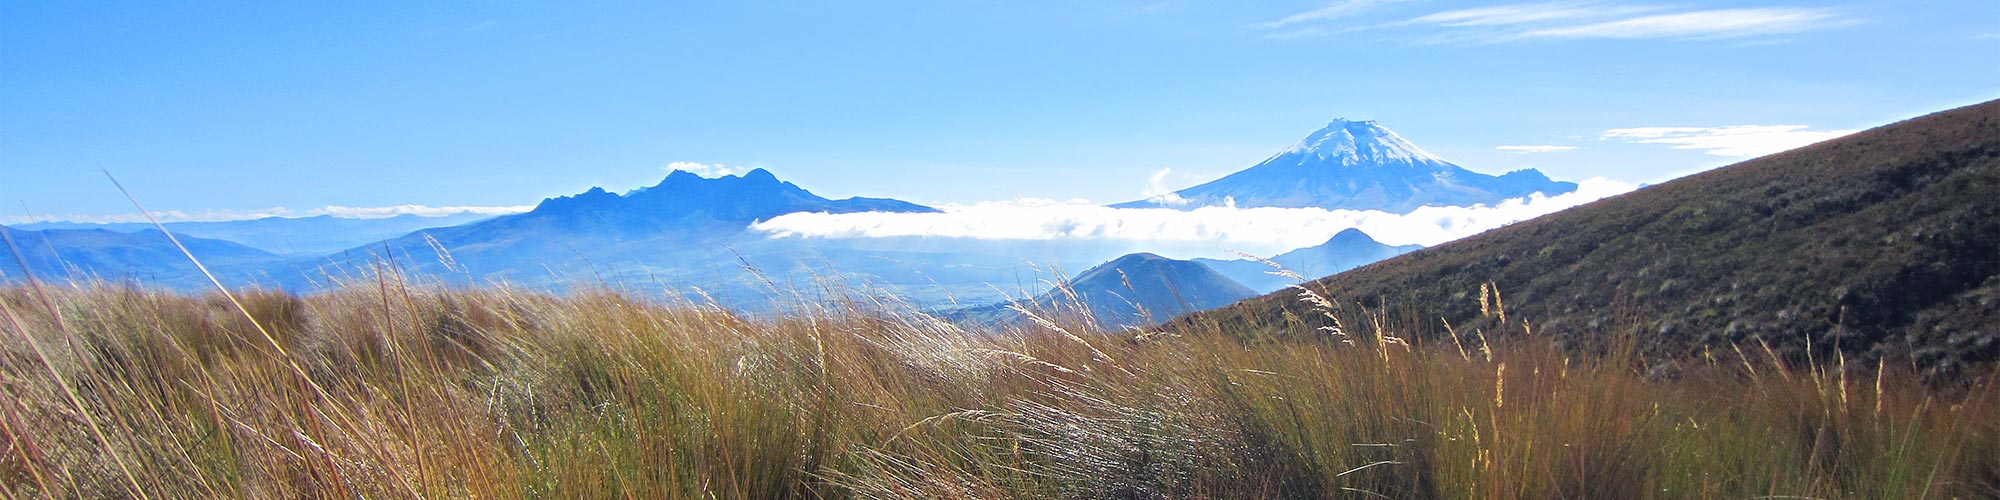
<point x="1704" y="24"/>
<point x="1335" y="10"/>
<point x="229" y="215"/>
<point x="1738" y="140"/>
<point x="1263" y="231"/>
<point x="1535" y="149"/>
<point x="702" y="169"/>
<point x="1158" y="192"/>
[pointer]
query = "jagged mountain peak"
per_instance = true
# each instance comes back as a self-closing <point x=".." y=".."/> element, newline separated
<point x="684" y="179"/>
<point x="683" y="203"/>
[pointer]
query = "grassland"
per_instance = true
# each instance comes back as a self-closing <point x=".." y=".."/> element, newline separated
<point x="390" y="390"/>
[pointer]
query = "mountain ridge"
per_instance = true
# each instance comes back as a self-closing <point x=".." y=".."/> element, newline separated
<point x="685" y="231"/>
<point x="289" y="236"/>
<point x="147" y="256"/>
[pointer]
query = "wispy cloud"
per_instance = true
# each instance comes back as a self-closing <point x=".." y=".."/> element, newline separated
<point x="1536" y="149"/>
<point x="1737" y="141"/>
<point x="1506" y="15"/>
<point x="344" y="212"/>
<point x="1563" y="20"/>
<point x="1705" y="24"/>
<point x="1332" y="11"/>
<point x="1263" y="231"/>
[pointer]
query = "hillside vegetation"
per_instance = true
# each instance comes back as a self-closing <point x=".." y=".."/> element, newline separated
<point x="1883" y="245"/>
<point x="386" y="390"/>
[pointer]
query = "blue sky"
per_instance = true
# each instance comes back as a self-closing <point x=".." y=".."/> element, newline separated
<point x="240" y="108"/>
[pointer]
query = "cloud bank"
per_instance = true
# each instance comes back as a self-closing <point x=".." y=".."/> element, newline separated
<point x="339" y="211"/>
<point x="1262" y="231"/>
<point x="1734" y="141"/>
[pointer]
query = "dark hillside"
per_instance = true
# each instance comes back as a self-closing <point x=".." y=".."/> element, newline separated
<point x="1143" y="289"/>
<point x="1131" y="291"/>
<point x="1881" y="245"/>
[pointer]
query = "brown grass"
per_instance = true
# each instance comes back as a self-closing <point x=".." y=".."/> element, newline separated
<point x="389" y="390"/>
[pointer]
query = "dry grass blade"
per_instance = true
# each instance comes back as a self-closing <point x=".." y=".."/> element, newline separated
<point x="75" y="401"/>
<point x="289" y="360"/>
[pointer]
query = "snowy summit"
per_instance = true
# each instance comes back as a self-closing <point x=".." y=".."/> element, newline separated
<point x="1357" y="165"/>
<point x="1352" y="143"/>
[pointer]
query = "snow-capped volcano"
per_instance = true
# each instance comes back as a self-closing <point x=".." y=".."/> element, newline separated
<point x="1357" y="165"/>
<point x="1351" y="143"/>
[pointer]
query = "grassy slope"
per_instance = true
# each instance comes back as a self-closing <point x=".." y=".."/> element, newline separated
<point x="1880" y="245"/>
<point x="388" y="391"/>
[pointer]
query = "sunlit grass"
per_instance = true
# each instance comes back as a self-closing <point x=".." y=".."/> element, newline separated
<point x="383" y="389"/>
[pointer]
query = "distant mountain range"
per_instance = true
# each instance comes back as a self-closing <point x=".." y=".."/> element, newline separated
<point x="681" y="210"/>
<point x="685" y="202"/>
<point x="1357" y="165"/>
<point x="690" y="235"/>
<point x="1881" y="245"/>
<point x="147" y="256"/>
<point x="288" y="236"/>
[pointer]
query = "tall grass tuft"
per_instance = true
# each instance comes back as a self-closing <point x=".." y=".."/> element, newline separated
<point x="389" y="389"/>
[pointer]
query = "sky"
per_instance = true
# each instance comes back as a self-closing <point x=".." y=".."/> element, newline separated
<point x="229" y="110"/>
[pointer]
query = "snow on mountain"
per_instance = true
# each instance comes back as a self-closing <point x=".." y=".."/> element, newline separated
<point x="1357" y="165"/>
<point x="1352" y="143"/>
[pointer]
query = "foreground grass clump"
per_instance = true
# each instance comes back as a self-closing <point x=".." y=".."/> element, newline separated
<point x="396" y="391"/>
